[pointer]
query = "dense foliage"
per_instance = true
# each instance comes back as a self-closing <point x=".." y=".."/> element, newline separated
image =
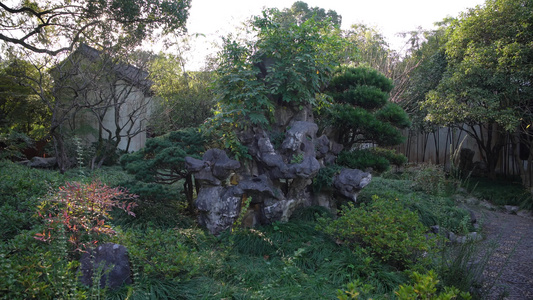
<point x="20" y="108"/>
<point x="52" y="27"/>
<point x="360" y="112"/>
<point x="383" y="227"/>
<point x="162" y="160"/>
<point x="182" y="99"/>
<point x="486" y="85"/>
<point x="286" y="64"/>
<point x="378" y="159"/>
<point x="282" y="260"/>
<point x="288" y="61"/>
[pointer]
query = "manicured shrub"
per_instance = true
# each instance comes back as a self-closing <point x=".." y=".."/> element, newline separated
<point x="425" y="287"/>
<point x="378" y="159"/>
<point x="80" y="211"/>
<point x="162" y="160"/>
<point x="430" y="179"/>
<point x="396" y="159"/>
<point x="362" y="160"/>
<point x="385" y="228"/>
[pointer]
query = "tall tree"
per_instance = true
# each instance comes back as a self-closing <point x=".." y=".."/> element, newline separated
<point x="487" y="84"/>
<point x="20" y="108"/>
<point x="287" y="65"/>
<point x="300" y="12"/>
<point x="183" y="99"/>
<point x="52" y="27"/>
<point x="368" y="48"/>
<point x="431" y="54"/>
<point x="45" y="32"/>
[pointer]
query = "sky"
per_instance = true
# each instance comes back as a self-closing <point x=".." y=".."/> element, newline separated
<point x="216" y="18"/>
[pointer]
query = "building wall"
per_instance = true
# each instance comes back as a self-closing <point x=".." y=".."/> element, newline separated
<point x="134" y="111"/>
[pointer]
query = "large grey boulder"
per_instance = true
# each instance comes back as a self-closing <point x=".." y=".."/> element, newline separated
<point x="349" y="182"/>
<point x="272" y="160"/>
<point x="218" y="207"/>
<point x="259" y="188"/>
<point x="214" y="167"/>
<point x="107" y="264"/>
<point x="299" y="137"/>
<point x="42" y="162"/>
<point x="277" y="180"/>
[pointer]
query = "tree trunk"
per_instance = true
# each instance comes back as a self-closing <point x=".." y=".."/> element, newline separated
<point x="63" y="160"/>
<point x="526" y="169"/>
<point x="188" y="189"/>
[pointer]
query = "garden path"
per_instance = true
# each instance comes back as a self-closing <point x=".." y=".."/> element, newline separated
<point x="509" y="272"/>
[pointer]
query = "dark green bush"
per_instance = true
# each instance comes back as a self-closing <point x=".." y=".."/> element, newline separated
<point x="164" y="253"/>
<point x="12" y="144"/>
<point x="363" y="159"/>
<point x="20" y="189"/>
<point x="500" y="191"/>
<point x="394" y="158"/>
<point x="158" y="205"/>
<point x="378" y="159"/>
<point x="431" y="179"/>
<point x="384" y="227"/>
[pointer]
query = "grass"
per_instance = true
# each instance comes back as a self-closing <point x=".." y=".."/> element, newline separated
<point x="500" y="191"/>
<point x="174" y="259"/>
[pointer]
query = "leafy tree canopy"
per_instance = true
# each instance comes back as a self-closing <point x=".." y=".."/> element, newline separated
<point x="427" y="75"/>
<point x="287" y="64"/>
<point x="183" y="99"/>
<point x="490" y="68"/>
<point x="489" y="75"/>
<point x="300" y="12"/>
<point x="54" y="26"/>
<point x="20" y="107"/>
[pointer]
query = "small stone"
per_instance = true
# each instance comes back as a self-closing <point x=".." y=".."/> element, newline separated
<point x="511" y="209"/>
<point x="524" y="213"/>
<point x="111" y="264"/>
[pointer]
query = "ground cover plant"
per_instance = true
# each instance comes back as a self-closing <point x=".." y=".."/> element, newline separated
<point x="306" y="257"/>
<point x="501" y="191"/>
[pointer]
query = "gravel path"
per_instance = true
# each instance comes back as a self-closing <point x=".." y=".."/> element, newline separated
<point x="509" y="273"/>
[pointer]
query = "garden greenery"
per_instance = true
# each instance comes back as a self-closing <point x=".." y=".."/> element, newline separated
<point x="171" y="256"/>
<point x="385" y="228"/>
<point x="284" y="63"/>
<point x="80" y="211"/>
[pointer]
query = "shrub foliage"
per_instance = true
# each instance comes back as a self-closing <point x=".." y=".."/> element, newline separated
<point x="385" y="228"/>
